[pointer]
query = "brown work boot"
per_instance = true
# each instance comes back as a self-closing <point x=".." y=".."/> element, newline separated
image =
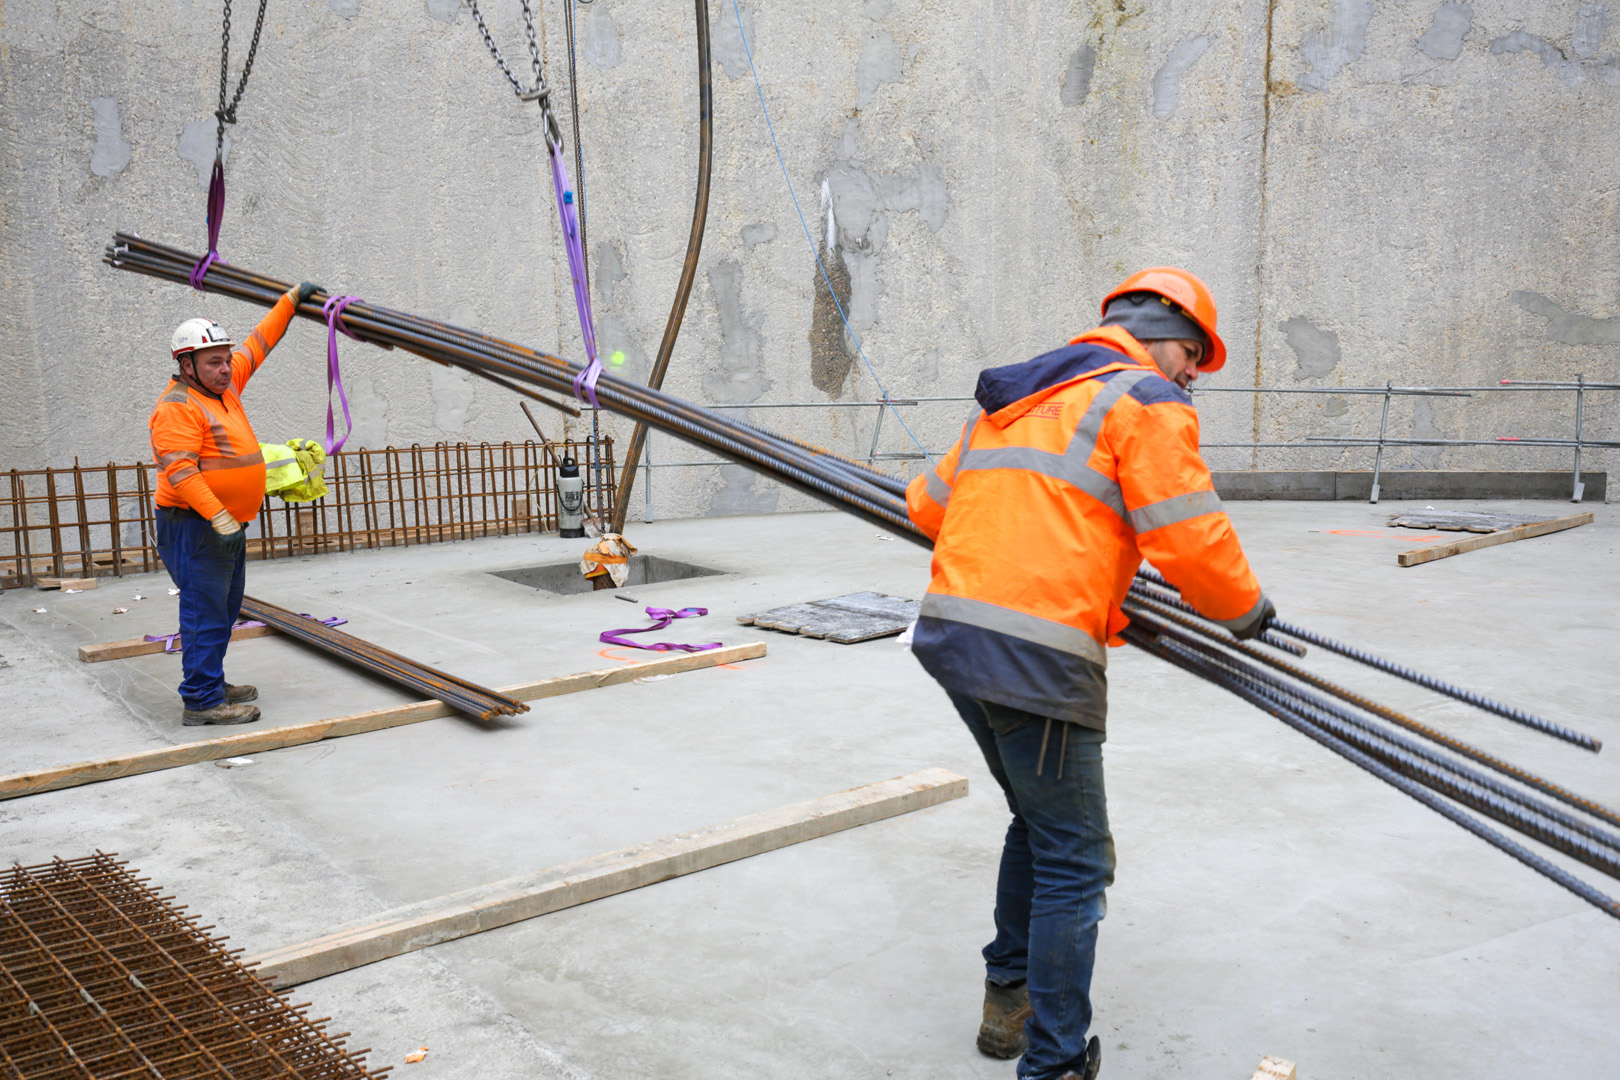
<point x="235" y="695"/>
<point x="225" y="713"/>
<point x="1093" y="1063"/>
<point x="1006" y="1008"/>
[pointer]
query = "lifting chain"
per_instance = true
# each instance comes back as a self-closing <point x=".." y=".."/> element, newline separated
<point x="541" y="92"/>
<point x="226" y="113"/>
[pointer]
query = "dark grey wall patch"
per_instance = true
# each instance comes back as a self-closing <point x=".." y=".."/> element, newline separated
<point x="1443" y="40"/>
<point x="1590" y="23"/>
<point x="197" y="146"/>
<point x="879" y="63"/>
<point x="1316" y="351"/>
<point x="1341" y="42"/>
<point x="743" y="492"/>
<point x="443" y="10"/>
<point x="738" y="378"/>
<point x="1569" y="328"/>
<point x="1076" y="85"/>
<point x="111" y="152"/>
<point x="609" y="270"/>
<point x="727" y="43"/>
<point x="1424" y="427"/>
<point x="1569" y="71"/>
<point x="755" y="235"/>
<point x="599" y="38"/>
<point x="347" y="9"/>
<point x="877" y="9"/>
<point x="1167" y="80"/>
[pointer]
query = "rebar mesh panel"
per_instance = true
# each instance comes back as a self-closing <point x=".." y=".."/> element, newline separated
<point x="100" y="976"/>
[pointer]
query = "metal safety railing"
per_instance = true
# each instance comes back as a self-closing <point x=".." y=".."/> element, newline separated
<point x="1580" y="388"/>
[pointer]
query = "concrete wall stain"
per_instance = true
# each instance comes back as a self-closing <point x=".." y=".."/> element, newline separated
<point x="1341" y="42"/>
<point x="197" y="146"/>
<point x="347" y="9"/>
<point x="111" y="152"/>
<point x="754" y="235"/>
<point x="741" y="493"/>
<point x="739" y="376"/>
<point x="1076" y="84"/>
<point x="452" y="399"/>
<point x="599" y="38"/>
<point x="726" y="43"/>
<point x="1581" y="61"/>
<point x="879" y="63"/>
<point x="1566" y="327"/>
<point x="877" y="9"/>
<point x="1167" y="80"/>
<point x="1590" y="23"/>
<point x="1316" y="351"/>
<point x="444" y="10"/>
<point x="1444" y="37"/>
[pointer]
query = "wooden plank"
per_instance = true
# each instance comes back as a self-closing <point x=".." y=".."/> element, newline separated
<point x="64" y="583"/>
<point x="1275" y="1068"/>
<point x="1506" y="536"/>
<point x="501" y="903"/>
<point x="253" y="742"/>
<point x="118" y="650"/>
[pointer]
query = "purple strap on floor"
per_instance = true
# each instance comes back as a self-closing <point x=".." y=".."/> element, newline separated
<point x="216" y="210"/>
<point x="664" y="617"/>
<point x="171" y="642"/>
<point x="333" y="310"/>
<point x="568" y="212"/>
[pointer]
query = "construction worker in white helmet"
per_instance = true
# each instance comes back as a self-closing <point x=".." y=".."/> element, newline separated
<point x="210" y="485"/>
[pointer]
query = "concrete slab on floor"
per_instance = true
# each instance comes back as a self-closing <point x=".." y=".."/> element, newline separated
<point x="1270" y="898"/>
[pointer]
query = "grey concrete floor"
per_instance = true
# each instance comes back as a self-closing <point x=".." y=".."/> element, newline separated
<point x="1270" y="898"/>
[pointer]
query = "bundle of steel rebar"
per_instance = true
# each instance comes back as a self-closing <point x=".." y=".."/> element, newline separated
<point x="1365" y="733"/>
<point x="454" y="691"/>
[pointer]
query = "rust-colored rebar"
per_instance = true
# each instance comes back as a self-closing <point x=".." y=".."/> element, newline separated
<point x="101" y="976"/>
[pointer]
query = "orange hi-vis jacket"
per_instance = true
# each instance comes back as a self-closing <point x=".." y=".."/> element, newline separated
<point x="207" y="455"/>
<point x="1081" y="462"/>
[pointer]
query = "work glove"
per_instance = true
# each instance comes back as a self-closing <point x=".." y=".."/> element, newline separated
<point x="229" y="534"/>
<point x="305" y="290"/>
<point x="1257" y="625"/>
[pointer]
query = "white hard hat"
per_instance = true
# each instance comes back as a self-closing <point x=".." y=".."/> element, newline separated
<point x="197" y="334"/>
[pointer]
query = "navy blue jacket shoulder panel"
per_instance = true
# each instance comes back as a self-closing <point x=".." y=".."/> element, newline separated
<point x="1001" y="386"/>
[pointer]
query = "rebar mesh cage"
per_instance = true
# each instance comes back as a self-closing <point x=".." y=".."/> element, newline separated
<point x="101" y="976"/>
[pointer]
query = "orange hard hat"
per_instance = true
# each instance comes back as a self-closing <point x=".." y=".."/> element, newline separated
<point x="1187" y="292"/>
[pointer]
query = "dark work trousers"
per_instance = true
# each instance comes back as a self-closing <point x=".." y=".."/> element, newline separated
<point x="1057" y="861"/>
<point x="211" y="585"/>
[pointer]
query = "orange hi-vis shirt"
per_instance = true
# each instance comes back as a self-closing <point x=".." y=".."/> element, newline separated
<point x="207" y="455"/>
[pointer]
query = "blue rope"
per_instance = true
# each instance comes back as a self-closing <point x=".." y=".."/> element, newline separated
<point x="811" y="240"/>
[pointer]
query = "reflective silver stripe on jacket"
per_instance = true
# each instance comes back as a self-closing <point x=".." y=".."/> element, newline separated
<point x="1031" y="628"/>
<point x="1072" y="466"/>
<point x="1245" y="619"/>
<point x="1169" y="511"/>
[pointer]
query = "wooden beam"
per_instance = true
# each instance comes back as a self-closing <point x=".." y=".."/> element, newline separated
<point x="118" y="650"/>
<point x="254" y="742"/>
<point x="80" y="583"/>
<point x="1274" y="1068"/>
<point x="501" y="903"/>
<point x="1506" y="536"/>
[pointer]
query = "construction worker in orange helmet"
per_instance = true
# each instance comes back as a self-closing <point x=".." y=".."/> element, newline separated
<point x="210" y="485"/>
<point x="1072" y="468"/>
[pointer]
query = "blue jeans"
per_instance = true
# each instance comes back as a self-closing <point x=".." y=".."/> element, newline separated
<point x="211" y="585"/>
<point x="1057" y="861"/>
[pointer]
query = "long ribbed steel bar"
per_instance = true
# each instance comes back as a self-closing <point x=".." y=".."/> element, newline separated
<point x="1534" y="818"/>
<point x="1138" y="601"/>
<point x="453" y="690"/>
<point x="1439" y="804"/>
<point x="1401" y="671"/>
<point x="813" y="474"/>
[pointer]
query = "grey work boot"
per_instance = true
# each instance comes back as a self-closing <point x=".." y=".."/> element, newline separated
<point x="1006" y="1008"/>
<point x="1093" y="1063"/>
<point x="235" y="695"/>
<point x="225" y="713"/>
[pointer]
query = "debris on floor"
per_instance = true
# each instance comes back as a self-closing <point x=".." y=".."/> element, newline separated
<point x="1272" y="1068"/>
<point x="419" y="1054"/>
<point x="846" y="619"/>
<point x="233" y="762"/>
<point x="1495" y="529"/>
<point x="1463" y="520"/>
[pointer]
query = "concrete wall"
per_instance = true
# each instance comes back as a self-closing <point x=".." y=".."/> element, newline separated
<point x="1425" y="192"/>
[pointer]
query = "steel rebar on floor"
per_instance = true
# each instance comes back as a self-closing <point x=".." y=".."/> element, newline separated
<point x="102" y="977"/>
